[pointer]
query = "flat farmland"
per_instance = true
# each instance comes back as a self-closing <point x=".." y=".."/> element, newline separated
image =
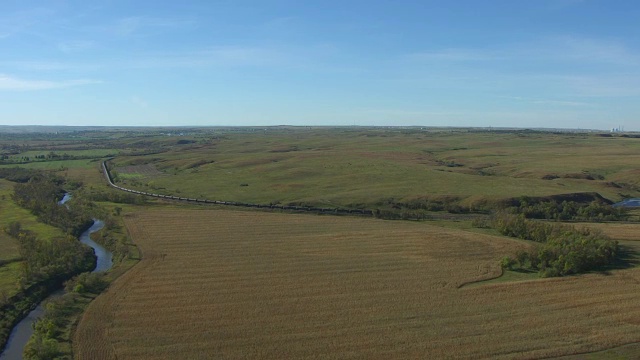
<point x="238" y="284"/>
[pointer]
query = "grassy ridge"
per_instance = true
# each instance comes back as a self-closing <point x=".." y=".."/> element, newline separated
<point x="346" y="168"/>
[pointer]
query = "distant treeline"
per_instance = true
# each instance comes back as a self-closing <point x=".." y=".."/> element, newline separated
<point x="566" y="207"/>
<point x="596" y="210"/>
<point x="561" y="250"/>
<point x="6" y="159"/>
<point x="116" y="197"/>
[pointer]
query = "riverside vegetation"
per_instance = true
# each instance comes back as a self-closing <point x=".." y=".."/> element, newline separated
<point x="480" y="186"/>
<point x="45" y="262"/>
<point x="48" y="262"/>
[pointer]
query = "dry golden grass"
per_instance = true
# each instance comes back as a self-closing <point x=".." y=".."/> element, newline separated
<point x="232" y="284"/>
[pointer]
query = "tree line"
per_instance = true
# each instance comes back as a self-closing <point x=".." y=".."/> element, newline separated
<point x="51" y="156"/>
<point x="568" y="210"/>
<point x="587" y="207"/>
<point x="53" y="259"/>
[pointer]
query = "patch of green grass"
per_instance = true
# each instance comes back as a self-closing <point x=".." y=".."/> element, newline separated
<point x="9" y="274"/>
<point x="126" y="176"/>
<point x="509" y="276"/>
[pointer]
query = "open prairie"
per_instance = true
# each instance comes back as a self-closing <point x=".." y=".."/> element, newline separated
<point x="238" y="284"/>
<point x="374" y="167"/>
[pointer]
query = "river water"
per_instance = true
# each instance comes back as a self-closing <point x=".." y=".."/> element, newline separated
<point x="630" y="203"/>
<point x="22" y="332"/>
<point x="105" y="257"/>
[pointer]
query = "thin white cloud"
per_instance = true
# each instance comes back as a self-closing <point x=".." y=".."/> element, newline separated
<point x="567" y="69"/>
<point x="139" y="101"/>
<point x="456" y="54"/>
<point x="543" y="117"/>
<point x="607" y="85"/>
<point x="225" y="56"/>
<point x="281" y="23"/>
<point x="10" y="83"/>
<point x="316" y="57"/>
<point x="579" y="49"/>
<point x="563" y="103"/>
<point x="19" y="21"/>
<point x="75" y="46"/>
<point x="44" y="65"/>
<point x="143" y="25"/>
<point x="127" y="26"/>
<point x="562" y="48"/>
<point x="551" y="102"/>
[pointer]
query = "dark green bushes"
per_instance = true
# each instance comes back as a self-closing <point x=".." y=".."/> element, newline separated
<point x="46" y="340"/>
<point x="568" y="210"/>
<point x="563" y="250"/>
<point x="116" y="197"/>
<point x="16" y="174"/>
<point x="93" y="283"/>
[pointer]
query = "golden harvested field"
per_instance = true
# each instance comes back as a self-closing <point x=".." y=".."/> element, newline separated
<point x="233" y="284"/>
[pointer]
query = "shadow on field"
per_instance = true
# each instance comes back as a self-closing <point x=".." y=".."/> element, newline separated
<point x="628" y="257"/>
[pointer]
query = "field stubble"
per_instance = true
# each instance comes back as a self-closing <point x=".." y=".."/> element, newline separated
<point x="304" y="286"/>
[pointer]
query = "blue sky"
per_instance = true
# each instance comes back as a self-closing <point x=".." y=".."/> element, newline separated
<point x="542" y="63"/>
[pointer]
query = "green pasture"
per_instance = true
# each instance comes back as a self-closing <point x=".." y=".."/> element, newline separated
<point x="345" y="167"/>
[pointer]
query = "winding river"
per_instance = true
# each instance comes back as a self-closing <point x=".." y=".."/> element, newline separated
<point x="22" y="332"/>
